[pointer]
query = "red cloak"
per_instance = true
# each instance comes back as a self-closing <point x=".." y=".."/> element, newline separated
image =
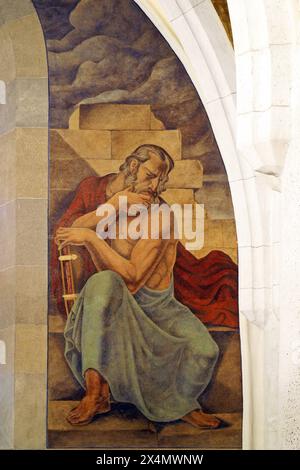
<point x="208" y="286"/>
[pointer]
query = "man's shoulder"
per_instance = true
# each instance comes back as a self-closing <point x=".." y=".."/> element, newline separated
<point x="90" y="182"/>
<point x="93" y="185"/>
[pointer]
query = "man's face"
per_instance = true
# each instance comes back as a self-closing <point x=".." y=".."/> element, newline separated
<point x="149" y="175"/>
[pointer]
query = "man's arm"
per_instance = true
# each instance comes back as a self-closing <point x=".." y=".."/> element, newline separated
<point x="98" y="262"/>
<point x="77" y="207"/>
<point x="91" y="219"/>
<point x="144" y="258"/>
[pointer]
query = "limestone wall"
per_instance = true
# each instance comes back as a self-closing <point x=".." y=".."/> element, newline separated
<point x="23" y="226"/>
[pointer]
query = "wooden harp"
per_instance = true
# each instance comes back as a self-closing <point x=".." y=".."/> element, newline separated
<point x="67" y="277"/>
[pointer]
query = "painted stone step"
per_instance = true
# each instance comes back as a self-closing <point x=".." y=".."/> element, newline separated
<point x="224" y="394"/>
<point x="114" y="116"/>
<point x="124" y="426"/>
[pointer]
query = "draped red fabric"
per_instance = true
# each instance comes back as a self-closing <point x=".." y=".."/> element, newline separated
<point x="208" y="286"/>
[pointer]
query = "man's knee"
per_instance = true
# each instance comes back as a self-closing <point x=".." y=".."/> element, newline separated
<point x="208" y="351"/>
<point x="212" y="352"/>
<point x="104" y="282"/>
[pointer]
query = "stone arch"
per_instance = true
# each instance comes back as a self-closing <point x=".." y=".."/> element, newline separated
<point x="23" y="222"/>
<point x="206" y="53"/>
<point x="254" y="156"/>
<point x="255" y="116"/>
<point x="289" y="345"/>
<point x="266" y="52"/>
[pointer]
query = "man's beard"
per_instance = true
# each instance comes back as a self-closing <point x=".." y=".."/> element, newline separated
<point x="131" y="180"/>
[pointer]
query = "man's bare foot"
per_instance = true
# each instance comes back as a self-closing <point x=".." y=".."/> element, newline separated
<point x="87" y="409"/>
<point x="202" y="420"/>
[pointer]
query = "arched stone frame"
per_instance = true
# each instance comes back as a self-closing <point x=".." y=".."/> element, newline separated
<point x="214" y="103"/>
<point x="266" y="53"/>
<point x="261" y="157"/>
<point x="205" y="51"/>
<point x="23" y="222"/>
<point x="289" y="344"/>
<point x="253" y="136"/>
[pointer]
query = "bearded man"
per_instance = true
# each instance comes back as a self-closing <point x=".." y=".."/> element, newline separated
<point x="127" y="337"/>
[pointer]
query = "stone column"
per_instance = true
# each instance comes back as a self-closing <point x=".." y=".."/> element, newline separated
<point x="23" y="226"/>
<point x="289" y="364"/>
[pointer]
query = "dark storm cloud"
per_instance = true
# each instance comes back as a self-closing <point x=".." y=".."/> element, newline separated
<point x="94" y="62"/>
<point x="54" y="16"/>
<point x="109" y="51"/>
<point x="113" y="18"/>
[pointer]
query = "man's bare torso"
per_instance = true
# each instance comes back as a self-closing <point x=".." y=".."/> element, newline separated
<point x="161" y="275"/>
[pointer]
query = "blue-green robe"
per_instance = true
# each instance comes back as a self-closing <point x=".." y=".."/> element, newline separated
<point x="151" y="349"/>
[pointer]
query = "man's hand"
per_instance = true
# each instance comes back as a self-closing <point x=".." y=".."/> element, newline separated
<point x="91" y="219"/>
<point x="134" y="198"/>
<point x="72" y="236"/>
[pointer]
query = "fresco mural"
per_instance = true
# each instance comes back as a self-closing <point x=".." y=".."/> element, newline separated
<point x="144" y="345"/>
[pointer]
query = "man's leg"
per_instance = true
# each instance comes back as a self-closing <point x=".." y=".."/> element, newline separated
<point x="201" y="355"/>
<point x="209" y="355"/>
<point x="96" y="400"/>
<point x="99" y="292"/>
